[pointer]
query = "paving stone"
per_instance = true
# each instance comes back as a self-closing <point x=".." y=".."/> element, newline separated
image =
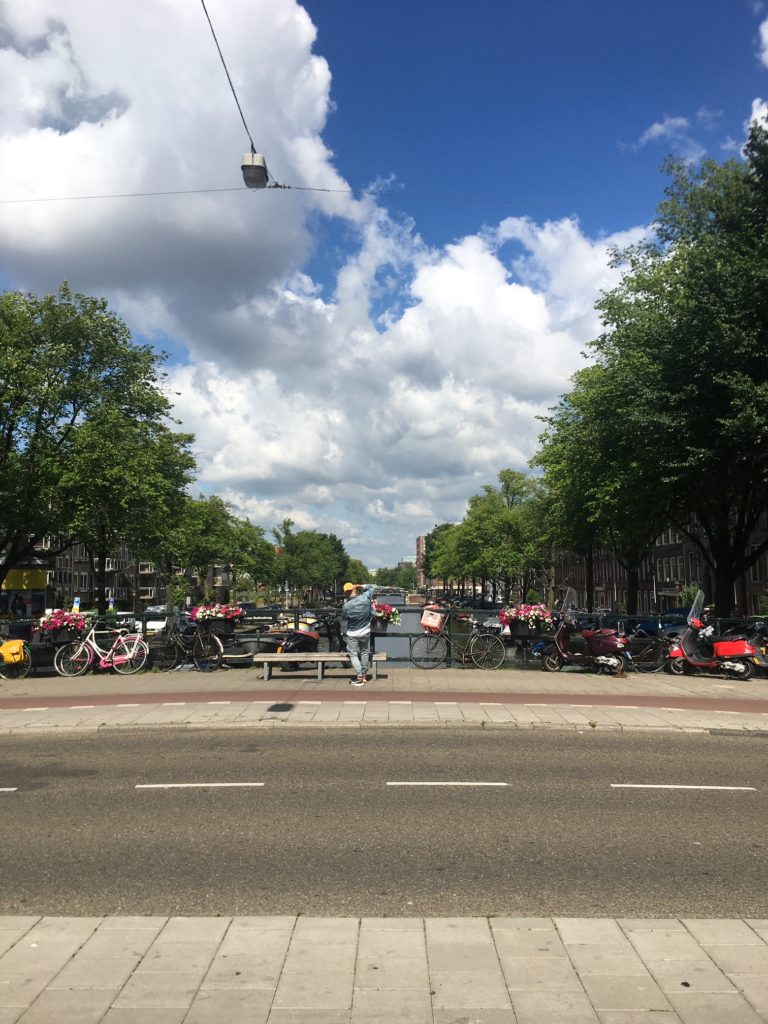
<point x="650" y="924"/>
<point x="263" y="946"/>
<point x="666" y="944"/>
<point x="690" y="975"/>
<point x="638" y="1017"/>
<point x="186" y="957"/>
<point x="118" y="943"/>
<point x="714" y="1008"/>
<point x="749" y="959"/>
<point x="627" y="992"/>
<point x="391" y="942"/>
<point x="521" y="923"/>
<point x="539" y="943"/>
<point x="457" y="929"/>
<point x="262" y="924"/>
<point x="754" y="988"/>
<point x="145" y="1015"/>
<point x="326" y="930"/>
<point x="86" y="973"/>
<point x="392" y="973"/>
<point x="469" y="988"/>
<point x="241" y="971"/>
<point x="722" y="933"/>
<point x="314" y="956"/>
<point x="591" y="931"/>
<point x="315" y="990"/>
<point x="194" y="929"/>
<point x="233" y="1007"/>
<point x="605" y="960"/>
<point x="546" y="1007"/>
<point x="74" y="1007"/>
<point x="378" y="1007"/>
<point x="172" y="990"/>
<point x="22" y="924"/>
<point x="21" y="988"/>
<point x="473" y="1015"/>
<point x="454" y="956"/>
<point x="278" y="1016"/>
<point x="532" y="974"/>
<point x="400" y="924"/>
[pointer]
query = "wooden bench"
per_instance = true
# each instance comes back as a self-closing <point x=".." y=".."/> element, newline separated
<point x="321" y="659"/>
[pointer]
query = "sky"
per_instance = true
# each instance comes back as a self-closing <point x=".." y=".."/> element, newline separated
<point x="364" y="351"/>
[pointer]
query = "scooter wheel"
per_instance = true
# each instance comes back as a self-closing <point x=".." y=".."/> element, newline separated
<point x="678" y="666"/>
<point x="551" y="662"/>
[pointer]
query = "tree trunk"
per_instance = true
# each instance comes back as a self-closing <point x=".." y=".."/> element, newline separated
<point x="101" y="582"/>
<point x="589" y="574"/>
<point x="633" y="585"/>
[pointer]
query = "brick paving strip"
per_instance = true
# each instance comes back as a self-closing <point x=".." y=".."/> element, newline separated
<point x="304" y="970"/>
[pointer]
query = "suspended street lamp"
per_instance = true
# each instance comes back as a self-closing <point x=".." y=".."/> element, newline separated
<point x="254" y="168"/>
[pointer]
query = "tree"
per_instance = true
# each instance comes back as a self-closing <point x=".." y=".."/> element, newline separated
<point x="670" y="426"/>
<point x="124" y="483"/>
<point x="63" y="358"/>
<point x="690" y="318"/>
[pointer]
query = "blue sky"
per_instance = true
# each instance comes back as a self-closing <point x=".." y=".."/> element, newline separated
<point x="360" y="364"/>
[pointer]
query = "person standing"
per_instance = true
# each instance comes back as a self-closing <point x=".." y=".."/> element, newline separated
<point x="356" y="615"/>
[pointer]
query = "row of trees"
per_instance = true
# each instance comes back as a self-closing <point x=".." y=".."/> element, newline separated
<point x="668" y="425"/>
<point x="89" y="453"/>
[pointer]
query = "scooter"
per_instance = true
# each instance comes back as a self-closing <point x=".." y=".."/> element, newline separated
<point x="698" y="649"/>
<point x="302" y="641"/>
<point x="605" y="649"/>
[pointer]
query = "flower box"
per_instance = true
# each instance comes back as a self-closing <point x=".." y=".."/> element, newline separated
<point x="379" y="626"/>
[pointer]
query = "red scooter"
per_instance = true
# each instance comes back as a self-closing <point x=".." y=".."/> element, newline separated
<point x="699" y="650"/>
<point x="604" y="650"/>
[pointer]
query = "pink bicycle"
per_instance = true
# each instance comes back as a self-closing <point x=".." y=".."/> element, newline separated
<point x="127" y="653"/>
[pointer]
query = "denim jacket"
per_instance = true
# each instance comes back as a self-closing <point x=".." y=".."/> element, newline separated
<point x="356" y="613"/>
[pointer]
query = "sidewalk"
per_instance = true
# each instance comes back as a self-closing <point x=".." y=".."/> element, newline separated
<point x="288" y="970"/>
<point x="402" y="696"/>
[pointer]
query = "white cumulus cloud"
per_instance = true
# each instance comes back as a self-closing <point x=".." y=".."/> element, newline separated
<point x="371" y="404"/>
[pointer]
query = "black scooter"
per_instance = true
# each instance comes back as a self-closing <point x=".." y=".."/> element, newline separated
<point x="302" y="641"/>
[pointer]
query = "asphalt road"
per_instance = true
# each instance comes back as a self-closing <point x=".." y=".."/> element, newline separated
<point x="326" y="834"/>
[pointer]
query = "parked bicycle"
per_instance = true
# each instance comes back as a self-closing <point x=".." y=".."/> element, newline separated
<point x="126" y="654"/>
<point x="15" y="660"/>
<point x="199" y="644"/>
<point x="429" y="650"/>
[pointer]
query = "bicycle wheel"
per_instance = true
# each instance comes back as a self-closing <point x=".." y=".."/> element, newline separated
<point x="428" y="651"/>
<point x="17" y="669"/>
<point x="73" y="659"/>
<point x="164" y="653"/>
<point x="647" y="656"/>
<point x="207" y="652"/>
<point x="129" y="655"/>
<point x="486" y="650"/>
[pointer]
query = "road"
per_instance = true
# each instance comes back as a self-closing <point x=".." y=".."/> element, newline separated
<point x="320" y="829"/>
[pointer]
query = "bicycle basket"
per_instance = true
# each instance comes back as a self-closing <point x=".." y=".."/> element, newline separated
<point x="432" y="622"/>
<point x="12" y="652"/>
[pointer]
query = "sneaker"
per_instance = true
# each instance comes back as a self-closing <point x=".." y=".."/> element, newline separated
<point x="358" y="682"/>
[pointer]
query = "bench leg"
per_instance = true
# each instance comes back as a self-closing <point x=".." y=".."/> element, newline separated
<point x="375" y="667"/>
<point x="267" y="671"/>
<point x="320" y="667"/>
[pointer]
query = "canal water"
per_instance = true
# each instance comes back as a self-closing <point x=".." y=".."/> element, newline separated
<point x="396" y="642"/>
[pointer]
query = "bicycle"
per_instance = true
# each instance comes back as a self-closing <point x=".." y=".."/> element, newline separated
<point x="648" y="653"/>
<point x="429" y="650"/>
<point x="127" y="654"/>
<point x="15" y="662"/>
<point x="174" y="647"/>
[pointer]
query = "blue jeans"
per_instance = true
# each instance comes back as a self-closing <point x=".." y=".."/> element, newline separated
<point x="359" y="650"/>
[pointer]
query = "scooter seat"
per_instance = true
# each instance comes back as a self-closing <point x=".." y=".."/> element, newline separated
<point x="604" y="631"/>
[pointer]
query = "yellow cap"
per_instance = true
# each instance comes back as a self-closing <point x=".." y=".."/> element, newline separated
<point x="348" y="586"/>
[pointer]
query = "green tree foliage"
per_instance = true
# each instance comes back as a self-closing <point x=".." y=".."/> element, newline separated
<point x="676" y="407"/>
<point x="402" y="576"/>
<point x="64" y="360"/>
<point x="124" y="482"/>
<point x="309" y="560"/>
